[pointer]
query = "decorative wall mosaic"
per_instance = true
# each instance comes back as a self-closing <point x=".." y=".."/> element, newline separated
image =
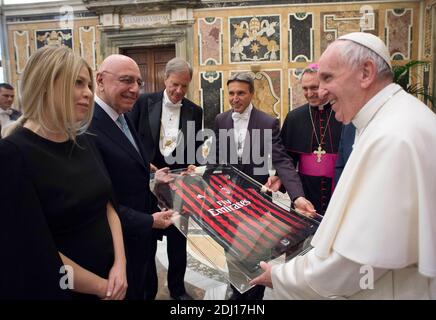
<point x="301" y="37"/>
<point x="210" y="41"/>
<point x="254" y="38"/>
<point x="57" y="37"/>
<point x="399" y="33"/>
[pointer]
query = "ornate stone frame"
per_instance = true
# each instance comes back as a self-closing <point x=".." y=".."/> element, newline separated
<point x="181" y="36"/>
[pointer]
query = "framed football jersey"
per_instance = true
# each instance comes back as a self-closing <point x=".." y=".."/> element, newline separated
<point x="228" y="216"/>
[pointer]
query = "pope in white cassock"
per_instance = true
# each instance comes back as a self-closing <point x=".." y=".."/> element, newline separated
<point x="378" y="236"/>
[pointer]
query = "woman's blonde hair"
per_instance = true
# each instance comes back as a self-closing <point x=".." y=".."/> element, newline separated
<point x="47" y="66"/>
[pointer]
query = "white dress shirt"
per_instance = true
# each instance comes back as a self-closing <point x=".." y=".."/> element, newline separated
<point x="5" y="119"/>
<point x="111" y="112"/>
<point x="169" y="129"/>
<point x="240" y="125"/>
<point x="114" y="116"/>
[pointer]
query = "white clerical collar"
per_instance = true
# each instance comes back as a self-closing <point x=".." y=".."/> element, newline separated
<point x="364" y="116"/>
<point x="321" y="106"/>
<point x="167" y="102"/>
<point x="108" y="109"/>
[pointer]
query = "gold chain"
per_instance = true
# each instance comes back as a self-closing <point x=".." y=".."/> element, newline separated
<point x="320" y="141"/>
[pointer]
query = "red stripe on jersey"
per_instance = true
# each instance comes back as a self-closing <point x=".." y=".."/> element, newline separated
<point x="252" y="244"/>
<point x="259" y="213"/>
<point x="242" y="223"/>
<point x="254" y="222"/>
<point x="207" y="219"/>
<point x="199" y="212"/>
<point x="273" y="209"/>
<point x="288" y="230"/>
<point x="298" y="222"/>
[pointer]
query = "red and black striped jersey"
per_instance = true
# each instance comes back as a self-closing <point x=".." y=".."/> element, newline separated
<point x="244" y="221"/>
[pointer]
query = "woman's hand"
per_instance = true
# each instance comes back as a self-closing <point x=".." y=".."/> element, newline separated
<point x="117" y="282"/>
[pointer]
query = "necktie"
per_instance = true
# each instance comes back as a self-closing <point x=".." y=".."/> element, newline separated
<point x="125" y="128"/>
<point x="236" y="116"/>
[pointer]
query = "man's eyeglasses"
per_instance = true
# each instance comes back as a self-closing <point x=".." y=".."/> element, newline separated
<point x="129" y="80"/>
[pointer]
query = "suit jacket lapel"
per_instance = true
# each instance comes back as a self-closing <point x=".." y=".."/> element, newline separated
<point x="252" y="122"/>
<point x="107" y="126"/>
<point x="229" y="125"/>
<point x="155" y="112"/>
<point x="186" y="114"/>
<point x="229" y="121"/>
<point x="137" y="140"/>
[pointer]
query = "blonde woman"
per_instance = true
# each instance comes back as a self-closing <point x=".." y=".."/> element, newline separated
<point x="56" y="212"/>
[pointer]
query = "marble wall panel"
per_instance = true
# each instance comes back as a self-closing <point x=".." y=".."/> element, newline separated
<point x="210" y="41"/>
<point x="399" y="33"/>
<point x="429" y="30"/>
<point x="301" y="43"/>
<point x="21" y="49"/>
<point x="211" y="95"/>
<point x="296" y="96"/>
<point x="87" y="45"/>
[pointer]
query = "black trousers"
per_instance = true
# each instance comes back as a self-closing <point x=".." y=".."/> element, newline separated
<point x="176" y="251"/>
<point x="255" y="293"/>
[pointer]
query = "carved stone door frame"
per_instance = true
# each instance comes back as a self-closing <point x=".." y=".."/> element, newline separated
<point x="181" y="36"/>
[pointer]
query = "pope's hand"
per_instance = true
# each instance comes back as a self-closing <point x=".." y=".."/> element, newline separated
<point x="265" y="278"/>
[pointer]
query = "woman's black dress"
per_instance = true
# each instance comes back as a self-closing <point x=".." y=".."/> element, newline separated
<point x="58" y="197"/>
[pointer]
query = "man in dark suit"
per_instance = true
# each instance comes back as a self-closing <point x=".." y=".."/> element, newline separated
<point x="118" y="82"/>
<point x="255" y="136"/>
<point x="7" y="114"/>
<point x="168" y="124"/>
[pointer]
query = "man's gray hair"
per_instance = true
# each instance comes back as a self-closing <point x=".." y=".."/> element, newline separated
<point x="308" y="70"/>
<point x="177" y="65"/>
<point x="242" y="77"/>
<point x="355" y="54"/>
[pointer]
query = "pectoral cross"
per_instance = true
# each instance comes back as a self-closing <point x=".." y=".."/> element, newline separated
<point x="319" y="152"/>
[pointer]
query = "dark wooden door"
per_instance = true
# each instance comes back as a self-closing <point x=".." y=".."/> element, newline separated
<point x="151" y="62"/>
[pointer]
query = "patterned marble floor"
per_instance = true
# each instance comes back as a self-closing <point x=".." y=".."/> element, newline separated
<point x="205" y="278"/>
<point x="202" y="281"/>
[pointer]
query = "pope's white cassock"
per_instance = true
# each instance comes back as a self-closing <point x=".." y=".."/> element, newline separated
<point x="382" y="215"/>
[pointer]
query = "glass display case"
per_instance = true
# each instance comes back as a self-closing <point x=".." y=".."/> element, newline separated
<point x="231" y="220"/>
